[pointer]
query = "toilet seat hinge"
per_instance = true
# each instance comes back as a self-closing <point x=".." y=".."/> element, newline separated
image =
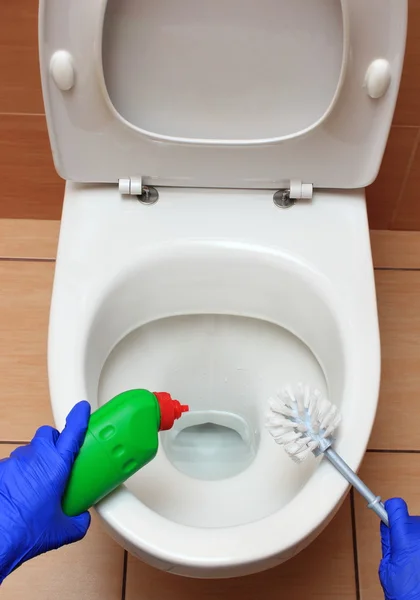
<point x="297" y="191"/>
<point x="300" y="191"/>
<point x="132" y="186"/>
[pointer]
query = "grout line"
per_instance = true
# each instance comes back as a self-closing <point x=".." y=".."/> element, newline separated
<point x="27" y="259"/>
<point x="124" y="581"/>
<point x="388" y="451"/>
<point x="20" y="114"/>
<point x="355" y="552"/>
<point x="397" y="126"/>
<point x="397" y="269"/>
<point x="404" y="181"/>
<point x="13" y="443"/>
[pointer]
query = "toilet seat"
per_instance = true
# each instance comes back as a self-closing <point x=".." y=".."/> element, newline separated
<point x="341" y="148"/>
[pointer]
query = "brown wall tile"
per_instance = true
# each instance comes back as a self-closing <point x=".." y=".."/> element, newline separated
<point x="383" y="194"/>
<point x="20" y="88"/>
<point x="31" y="188"/>
<point x="407" y="215"/>
<point x="408" y="105"/>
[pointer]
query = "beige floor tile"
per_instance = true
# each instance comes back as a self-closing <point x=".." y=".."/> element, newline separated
<point x="89" y="570"/>
<point x="398" y="295"/>
<point x="396" y="249"/>
<point x="388" y="475"/>
<point x="323" y="571"/>
<point x="28" y="238"/>
<point x="25" y="290"/>
<point x="32" y="238"/>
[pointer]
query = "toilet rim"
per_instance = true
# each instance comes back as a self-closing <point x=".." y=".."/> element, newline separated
<point x="322" y="493"/>
<point x="267" y="538"/>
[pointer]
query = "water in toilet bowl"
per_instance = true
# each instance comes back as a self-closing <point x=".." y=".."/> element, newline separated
<point x="212" y="468"/>
<point x="211" y="444"/>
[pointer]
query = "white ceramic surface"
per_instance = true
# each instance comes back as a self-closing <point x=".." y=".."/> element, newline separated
<point x="122" y="267"/>
<point x="236" y="93"/>
<point x="214" y="293"/>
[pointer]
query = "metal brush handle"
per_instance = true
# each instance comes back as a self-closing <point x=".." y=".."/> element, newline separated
<point x="374" y="502"/>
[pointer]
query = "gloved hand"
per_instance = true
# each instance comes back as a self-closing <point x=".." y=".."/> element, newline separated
<point x="32" y="482"/>
<point x="399" y="570"/>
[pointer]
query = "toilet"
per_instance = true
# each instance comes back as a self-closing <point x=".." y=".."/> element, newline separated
<point x="214" y="243"/>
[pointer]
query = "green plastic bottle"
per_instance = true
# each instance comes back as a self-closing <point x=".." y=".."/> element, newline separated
<point x="122" y="437"/>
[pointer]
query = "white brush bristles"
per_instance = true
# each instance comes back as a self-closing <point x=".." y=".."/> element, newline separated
<point x="301" y="419"/>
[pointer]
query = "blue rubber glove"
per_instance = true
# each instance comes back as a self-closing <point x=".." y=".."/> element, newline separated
<point x="32" y="482"/>
<point x="399" y="570"/>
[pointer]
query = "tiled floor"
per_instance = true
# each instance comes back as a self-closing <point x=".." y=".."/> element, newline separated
<point x="341" y="564"/>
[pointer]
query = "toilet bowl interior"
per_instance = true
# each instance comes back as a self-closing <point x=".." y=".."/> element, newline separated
<point x="181" y="322"/>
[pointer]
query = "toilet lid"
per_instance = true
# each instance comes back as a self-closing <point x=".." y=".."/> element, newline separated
<point x="228" y="93"/>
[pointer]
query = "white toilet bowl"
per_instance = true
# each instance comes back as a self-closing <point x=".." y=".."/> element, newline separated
<point x="220" y="111"/>
<point x="221" y="312"/>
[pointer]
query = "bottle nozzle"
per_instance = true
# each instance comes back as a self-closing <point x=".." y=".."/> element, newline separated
<point x="170" y="410"/>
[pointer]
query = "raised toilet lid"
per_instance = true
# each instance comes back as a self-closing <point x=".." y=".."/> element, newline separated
<point x="228" y="93"/>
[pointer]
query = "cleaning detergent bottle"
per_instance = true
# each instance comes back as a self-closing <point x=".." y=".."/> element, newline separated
<point x="122" y="437"/>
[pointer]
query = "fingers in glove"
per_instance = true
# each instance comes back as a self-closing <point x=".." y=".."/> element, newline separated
<point x="398" y="516"/>
<point x="385" y="540"/>
<point x="73" y="434"/>
<point x="80" y="526"/>
<point x="47" y="433"/>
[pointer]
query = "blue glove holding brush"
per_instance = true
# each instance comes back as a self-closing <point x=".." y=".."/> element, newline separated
<point x="399" y="570"/>
<point x="302" y="421"/>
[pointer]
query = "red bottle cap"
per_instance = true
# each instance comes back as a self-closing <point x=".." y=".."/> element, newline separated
<point x="170" y="410"/>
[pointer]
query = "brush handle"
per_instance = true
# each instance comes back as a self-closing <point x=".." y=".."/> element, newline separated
<point x="374" y="502"/>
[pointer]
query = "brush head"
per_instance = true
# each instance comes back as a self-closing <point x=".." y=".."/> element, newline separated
<point x="302" y="420"/>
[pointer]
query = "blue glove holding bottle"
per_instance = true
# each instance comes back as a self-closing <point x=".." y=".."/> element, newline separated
<point x="399" y="570"/>
<point x="32" y="482"/>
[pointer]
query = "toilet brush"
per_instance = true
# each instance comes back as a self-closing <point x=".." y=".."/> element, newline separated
<point x="303" y="421"/>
